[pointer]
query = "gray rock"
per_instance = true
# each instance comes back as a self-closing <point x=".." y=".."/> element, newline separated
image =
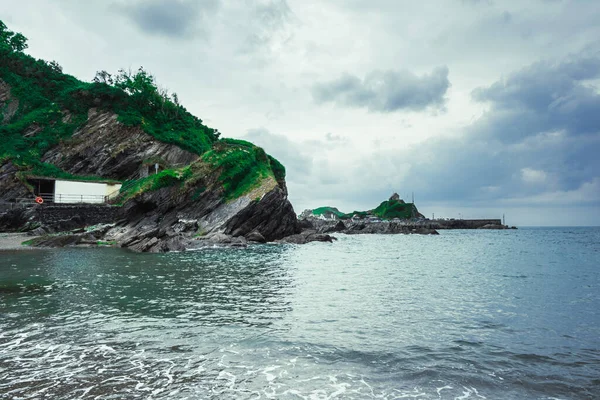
<point x="175" y="244"/>
<point x="56" y="241"/>
<point x="255" y="236"/>
<point x="338" y="227"/>
<point x="307" y="237"/>
<point x="493" y="226"/>
<point x="40" y="231"/>
<point x="184" y="225"/>
<point x="144" y="245"/>
<point x="216" y="238"/>
<point x="306" y="223"/>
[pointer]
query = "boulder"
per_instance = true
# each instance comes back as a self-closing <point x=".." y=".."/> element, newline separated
<point x="492" y="226"/>
<point x="255" y="236"/>
<point x="338" y="227"/>
<point x="39" y="231"/>
<point x="307" y="237"/>
<point x="305" y="224"/>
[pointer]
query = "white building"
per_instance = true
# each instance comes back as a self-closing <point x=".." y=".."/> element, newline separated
<point x="65" y="191"/>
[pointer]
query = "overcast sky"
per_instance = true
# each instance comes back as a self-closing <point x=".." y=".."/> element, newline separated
<point x="479" y="107"/>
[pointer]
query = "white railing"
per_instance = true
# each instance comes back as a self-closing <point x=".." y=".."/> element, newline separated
<point x="64" y="199"/>
<point x="77" y="198"/>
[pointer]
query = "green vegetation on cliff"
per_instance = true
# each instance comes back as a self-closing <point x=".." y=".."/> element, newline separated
<point x="46" y="107"/>
<point x="168" y="177"/>
<point x="242" y="165"/>
<point x="330" y="210"/>
<point x="389" y="209"/>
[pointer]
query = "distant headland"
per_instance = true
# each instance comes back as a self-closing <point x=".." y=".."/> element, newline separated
<point x="390" y="217"/>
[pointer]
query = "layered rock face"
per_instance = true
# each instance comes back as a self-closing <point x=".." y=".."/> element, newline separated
<point x="11" y="187"/>
<point x="179" y="184"/>
<point x="185" y="215"/>
<point x="104" y="147"/>
<point x="8" y="104"/>
<point x="170" y="219"/>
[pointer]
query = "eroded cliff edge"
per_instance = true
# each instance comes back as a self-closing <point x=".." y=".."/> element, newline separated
<point x="184" y="206"/>
<point x="181" y="184"/>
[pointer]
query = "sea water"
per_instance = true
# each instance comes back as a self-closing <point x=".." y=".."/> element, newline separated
<point x="463" y="315"/>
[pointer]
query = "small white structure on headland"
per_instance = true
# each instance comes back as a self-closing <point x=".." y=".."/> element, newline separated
<point x="84" y="192"/>
<point x="64" y="191"/>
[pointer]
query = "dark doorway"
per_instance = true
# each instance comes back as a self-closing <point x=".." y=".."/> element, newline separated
<point x="43" y="188"/>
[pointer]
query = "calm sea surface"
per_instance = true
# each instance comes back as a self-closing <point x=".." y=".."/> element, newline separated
<point x="462" y="315"/>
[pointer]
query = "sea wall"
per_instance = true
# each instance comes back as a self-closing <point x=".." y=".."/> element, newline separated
<point x="81" y="214"/>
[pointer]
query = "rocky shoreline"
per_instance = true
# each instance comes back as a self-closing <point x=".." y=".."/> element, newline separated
<point x="235" y="224"/>
<point x="149" y="233"/>
<point x="155" y="231"/>
<point x="147" y="225"/>
<point x="351" y="227"/>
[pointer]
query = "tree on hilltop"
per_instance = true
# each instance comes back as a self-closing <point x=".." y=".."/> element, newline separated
<point x="14" y="41"/>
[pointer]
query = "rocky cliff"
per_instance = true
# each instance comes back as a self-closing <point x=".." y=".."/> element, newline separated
<point x="207" y="189"/>
<point x="184" y="213"/>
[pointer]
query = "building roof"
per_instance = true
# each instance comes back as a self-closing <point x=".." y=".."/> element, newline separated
<point x="51" y="178"/>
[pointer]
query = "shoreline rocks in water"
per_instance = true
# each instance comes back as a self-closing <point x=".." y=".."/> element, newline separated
<point x="351" y="227"/>
<point x="94" y="238"/>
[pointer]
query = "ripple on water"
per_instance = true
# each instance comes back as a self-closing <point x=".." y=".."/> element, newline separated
<point x="463" y="315"/>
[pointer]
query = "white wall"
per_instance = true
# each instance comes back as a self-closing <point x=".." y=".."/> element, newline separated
<point x="112" y="190"/>
<point x="79" y="192"/>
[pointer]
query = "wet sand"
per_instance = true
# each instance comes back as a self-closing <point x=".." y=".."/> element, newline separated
<point x="13" y="241"/>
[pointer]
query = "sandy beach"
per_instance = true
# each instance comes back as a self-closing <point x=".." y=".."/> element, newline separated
<point x="12" y="241"/>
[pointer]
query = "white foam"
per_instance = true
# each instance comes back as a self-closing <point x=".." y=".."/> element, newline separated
<point x="468" y="392"/>
<point x="410" y="395"/>
<point x="439" y="390"/>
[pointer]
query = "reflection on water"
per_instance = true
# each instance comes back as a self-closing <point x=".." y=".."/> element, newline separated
<point x="220" y="286"/>
<point x="506" y="315"/>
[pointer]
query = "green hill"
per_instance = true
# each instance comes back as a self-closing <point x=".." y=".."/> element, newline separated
<point x="389" y="209"/>
<point x="46" y="106"/>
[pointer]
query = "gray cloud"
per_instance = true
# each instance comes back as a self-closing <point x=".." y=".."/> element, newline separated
<point x="387" y="91"/>
<point x="540" y="136"/>
<point x="477" y="2"/>
<point x="271" y="16"/>
<point x="535" y="144"/>
<point x="542" y="97"/>
<point x="528" y="150"/>
<point x="171" y="18"/>
<point x="271" y="23"/>
<point x="298" y="164"/>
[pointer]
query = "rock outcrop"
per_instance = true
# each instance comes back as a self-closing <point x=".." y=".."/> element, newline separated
<point x="171" y="219"/>
<point x="351" y="227"/>
<point x="8" y="104"/>
<point x="104" y="147"/>
<point x="176" y="217"/>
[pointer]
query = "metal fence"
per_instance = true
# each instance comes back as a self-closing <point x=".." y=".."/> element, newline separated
<point x="63" y="199"/>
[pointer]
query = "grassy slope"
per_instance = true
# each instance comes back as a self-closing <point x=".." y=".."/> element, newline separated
<point x="53" y="105"/>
